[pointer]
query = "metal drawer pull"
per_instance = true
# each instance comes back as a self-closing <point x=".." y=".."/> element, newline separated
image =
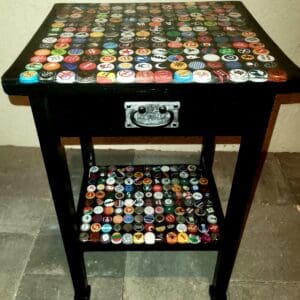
<point x="151" y="114"/>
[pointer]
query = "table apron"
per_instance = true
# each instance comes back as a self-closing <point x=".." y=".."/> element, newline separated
<point x="207" y="115"/>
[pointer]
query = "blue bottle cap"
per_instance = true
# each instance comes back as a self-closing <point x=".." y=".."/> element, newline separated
<point x="70" y="67"/>
<point x="183" y="76"/>
<point x="110" y="45"/>
<point x="29" y="77"/>
<point x="106" y="228"/>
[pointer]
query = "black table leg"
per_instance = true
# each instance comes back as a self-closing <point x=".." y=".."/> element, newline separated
<point x="236" y="215"/>
<point x="208" y="151"/>
<point x="87" y="152"/>
<point x="60" y="184"/>
<point x="247" y="171"/>
<point x="240" y="200"/>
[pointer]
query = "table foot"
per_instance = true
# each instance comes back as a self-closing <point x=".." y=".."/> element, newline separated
<point x="85" y="295"/>
<point x="215" y="295"/>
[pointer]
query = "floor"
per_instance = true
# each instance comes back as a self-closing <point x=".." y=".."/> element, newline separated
<point x="33" y="264"/>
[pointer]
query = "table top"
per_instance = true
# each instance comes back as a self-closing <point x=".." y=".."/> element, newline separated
<point x="197" y="43"/>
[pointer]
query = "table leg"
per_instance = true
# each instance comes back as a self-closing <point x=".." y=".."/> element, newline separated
<point x="247" y="171"/>
<point x="208" y="151"/>
<point x="87" y="152"/>
<point x="59" y="180"/>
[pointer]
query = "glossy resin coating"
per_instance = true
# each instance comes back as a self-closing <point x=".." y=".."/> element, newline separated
<point x="193" y="42"/>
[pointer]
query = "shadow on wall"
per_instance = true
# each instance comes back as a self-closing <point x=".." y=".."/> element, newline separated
<point x="19" y="100"/>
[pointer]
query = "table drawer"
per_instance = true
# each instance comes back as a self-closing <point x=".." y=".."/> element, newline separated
<point x="198" y="114"/>
<point x="107" y="117"/>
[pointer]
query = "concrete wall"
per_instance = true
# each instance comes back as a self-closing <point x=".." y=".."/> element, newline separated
<point x="20" y="19"/>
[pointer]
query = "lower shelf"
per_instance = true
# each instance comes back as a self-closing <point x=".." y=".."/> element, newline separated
<point x="151" y="207"/>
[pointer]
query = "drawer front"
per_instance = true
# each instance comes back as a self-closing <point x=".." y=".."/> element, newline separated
<point x="109" y="117"/>
<point x="193" y="116"/>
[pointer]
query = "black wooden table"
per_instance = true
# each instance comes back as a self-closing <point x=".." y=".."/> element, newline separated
<point x="181" y="69"/>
